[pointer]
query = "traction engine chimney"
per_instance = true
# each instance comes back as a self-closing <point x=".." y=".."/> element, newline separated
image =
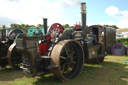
<point x="83" y="18"/>
<point x="45" y="25"/>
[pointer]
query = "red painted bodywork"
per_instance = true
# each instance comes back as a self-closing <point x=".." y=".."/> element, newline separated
<point x="77" y="26"/>
<point x="56" y="26"/>
<point x="43" y="48"/>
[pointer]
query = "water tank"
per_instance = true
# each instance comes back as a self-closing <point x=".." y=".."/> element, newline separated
<point x="110" y="38"/>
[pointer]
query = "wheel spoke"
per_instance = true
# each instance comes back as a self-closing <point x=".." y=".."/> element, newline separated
<point x="71" y="54"/>
<point x="70" y="68"/>
<point x="62" y="57"/>
<point x="71" y="48"/>
<point x="66" y="51"/>
<point x="63" y="67"/>
<point x="71" y="65"/>
<point x="73" y="62"/>
<point x="68" y="47"/>
<point x="73" y="58"/>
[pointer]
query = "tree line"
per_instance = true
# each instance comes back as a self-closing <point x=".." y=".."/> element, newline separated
<point x="26" y="26"/>
<point x="113" y="26"/>
<point x="22" y="26"/>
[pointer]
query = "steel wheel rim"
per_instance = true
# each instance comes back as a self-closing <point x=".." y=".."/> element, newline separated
<point x="72" y="70"/>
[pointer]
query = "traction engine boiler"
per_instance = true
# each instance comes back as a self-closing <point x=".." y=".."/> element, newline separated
<point x="64" y="52"/>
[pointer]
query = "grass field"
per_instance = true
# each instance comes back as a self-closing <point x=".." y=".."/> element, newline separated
<point x="113" y="71"/>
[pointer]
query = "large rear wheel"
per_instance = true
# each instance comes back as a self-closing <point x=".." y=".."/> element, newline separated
<point x="16" y="58"/>
<point x="68" y="58"/>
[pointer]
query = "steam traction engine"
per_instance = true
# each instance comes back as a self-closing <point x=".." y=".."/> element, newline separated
<point x="8" y="52"/>
<point x="63" y="52"/>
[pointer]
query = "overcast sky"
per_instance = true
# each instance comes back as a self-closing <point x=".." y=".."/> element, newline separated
<point x="112" y="12"/>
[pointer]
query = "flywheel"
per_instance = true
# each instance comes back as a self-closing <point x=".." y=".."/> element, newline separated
<point x="68" y="59"/>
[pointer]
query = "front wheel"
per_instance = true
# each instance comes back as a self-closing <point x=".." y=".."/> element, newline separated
<point x="68" y="58"/>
